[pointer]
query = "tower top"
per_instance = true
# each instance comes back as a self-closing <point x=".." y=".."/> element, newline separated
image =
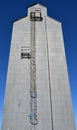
<point x="38" y="7"/>
<point x="37" y="4"/>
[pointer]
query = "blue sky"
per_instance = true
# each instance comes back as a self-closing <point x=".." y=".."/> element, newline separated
<point x="62" y="10"/>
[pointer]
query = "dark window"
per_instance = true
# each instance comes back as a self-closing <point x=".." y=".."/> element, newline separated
<point x="25" y="53"/>
<point x="36" y="16"/>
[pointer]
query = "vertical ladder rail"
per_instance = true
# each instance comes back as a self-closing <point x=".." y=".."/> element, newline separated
<point x="33" y="91"/>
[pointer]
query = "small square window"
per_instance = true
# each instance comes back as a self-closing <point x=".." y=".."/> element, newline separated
<point x="32" y="14"/>
<point x="36" y="16"/>
<point x="25" y="53"/>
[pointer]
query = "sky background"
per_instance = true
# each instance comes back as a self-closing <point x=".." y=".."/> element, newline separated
<point x="64" y="11"/>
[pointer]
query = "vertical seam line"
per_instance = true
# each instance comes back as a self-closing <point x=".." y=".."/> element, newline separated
<point x="49" y="76"/>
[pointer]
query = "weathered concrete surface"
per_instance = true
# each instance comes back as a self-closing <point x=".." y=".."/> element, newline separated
<point x="54" y="107"/>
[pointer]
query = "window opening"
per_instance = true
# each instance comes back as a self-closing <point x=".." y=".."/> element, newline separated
<point x="25" y="53"/>
<point x="36" y="16"/>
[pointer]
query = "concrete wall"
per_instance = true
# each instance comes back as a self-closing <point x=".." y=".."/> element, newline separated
<point x="54" y="107"/>
<point x="60" y="92"/>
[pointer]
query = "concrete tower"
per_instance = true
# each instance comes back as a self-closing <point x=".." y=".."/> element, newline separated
<point x="37" y="93"/>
